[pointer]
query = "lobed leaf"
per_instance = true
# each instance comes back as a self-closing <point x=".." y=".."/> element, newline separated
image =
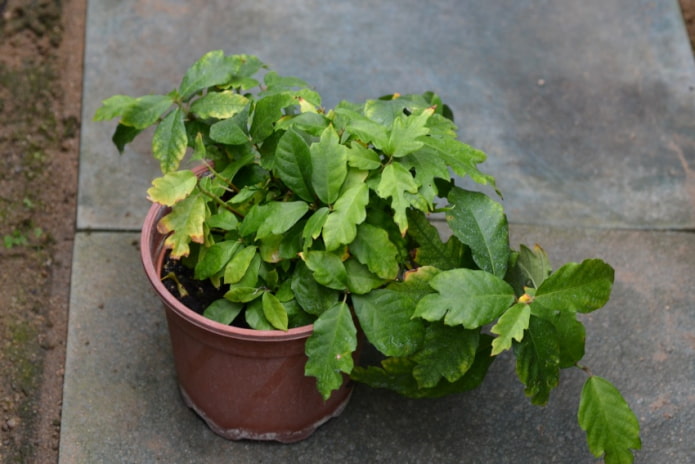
<point x="184" y="224"/>
<point x="396" y="181"/>
<point x="406" y="132"/>
<point x="465" y="297"/>
<point x="340" y="227"/>
<point x="330" y="348"/>
<point x="611" y="426"/>
<point x="172" y="187"/>
<point x="511" y="325"/>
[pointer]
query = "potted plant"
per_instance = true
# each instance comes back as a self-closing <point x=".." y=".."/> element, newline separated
<point x="313" y="226"/>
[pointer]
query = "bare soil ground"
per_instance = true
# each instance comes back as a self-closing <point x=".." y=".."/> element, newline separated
<point x="41" y="49"/>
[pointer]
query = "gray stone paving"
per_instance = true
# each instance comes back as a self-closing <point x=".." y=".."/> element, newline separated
<point x="587" y="110"/>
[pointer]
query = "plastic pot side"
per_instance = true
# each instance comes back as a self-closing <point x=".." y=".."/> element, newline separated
<point x="244" y="383"/>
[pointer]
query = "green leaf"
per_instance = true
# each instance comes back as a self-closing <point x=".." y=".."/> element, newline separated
<point x="113" y="106"/>
<point x="268" y="111"/>
<point x="385" y="317"/>
<point x="349" y="210"/>
<point x="571" y="333"/>
<point x="397" y="374"/>
<point x="211" y="69"/>
<point x="146" y="110"/>
<point x="230" y="131"/>
<point x="123" y="135"/>
<point x="329" y="166"/>
<point x="184" y="224"/>
<point x="275" y="311"/>
<point x="576" y="287"/>
<point x="431" y="251"/>
<point x="254" y="316"/>
<point x="220" y="105"/>
<point x="373" y="248"/>
<point x="611" y="426"/>
<point x="531" y="268"/>
<point x="213" y="259"/>
<point x="243" y="294"/>
<point x="223" y="311"/>
<point x="416" y="282"/>
<point x="274" y="218"/>
<point x="359" y="279"/>
<point x="236" y="267"/>
<point x="511" y="325"/>
<point x="448" y="352"/>
<point x="363" y="128"/>
<point x="396" y="181"/>
<point x="463" y="159"/>
<point x="360" y="157"/>
<point x="314" y="225"/>
<point x="466" y="297"/>
<point x="170" y="141"/>
<point x="312" y="297"/>
<point x="172" y="187"/>
<point x="480" y="222"/>
<point x="538" y="360"/>
<point x="330" y="348"/>
<point x="428" y="166"/>
<point x="328" y="269"/>
<point x="223" y="219"/>
<point x="293" y="164"/>
<point x="403" y="138"/>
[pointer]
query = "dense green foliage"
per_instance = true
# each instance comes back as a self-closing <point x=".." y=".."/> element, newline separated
<point x="304" y="213"/>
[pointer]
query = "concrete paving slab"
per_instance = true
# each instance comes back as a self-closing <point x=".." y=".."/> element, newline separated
<point x="121" y="404"/>
<point x="587" y="109"/>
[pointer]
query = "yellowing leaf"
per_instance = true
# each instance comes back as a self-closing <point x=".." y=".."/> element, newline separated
<point x="172" y="187"/>
<point x="184" y="224"/>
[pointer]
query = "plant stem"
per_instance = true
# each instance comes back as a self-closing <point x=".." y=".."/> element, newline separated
<point x="220" y="202"/>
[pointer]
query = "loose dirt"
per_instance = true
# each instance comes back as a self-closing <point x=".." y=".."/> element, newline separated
<point x="41" y="48"/>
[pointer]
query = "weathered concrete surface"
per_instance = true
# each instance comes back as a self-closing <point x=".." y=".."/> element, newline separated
<point x="586" y="109"/>
<point x="121" y="403"/>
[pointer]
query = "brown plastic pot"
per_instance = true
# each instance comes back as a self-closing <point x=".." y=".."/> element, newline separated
<point x="244" y="383"/>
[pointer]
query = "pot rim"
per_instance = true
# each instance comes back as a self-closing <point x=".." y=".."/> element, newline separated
<point x="152" y="245"/>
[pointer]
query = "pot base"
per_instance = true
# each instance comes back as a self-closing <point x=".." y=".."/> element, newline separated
<point x="290" y="436"/>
